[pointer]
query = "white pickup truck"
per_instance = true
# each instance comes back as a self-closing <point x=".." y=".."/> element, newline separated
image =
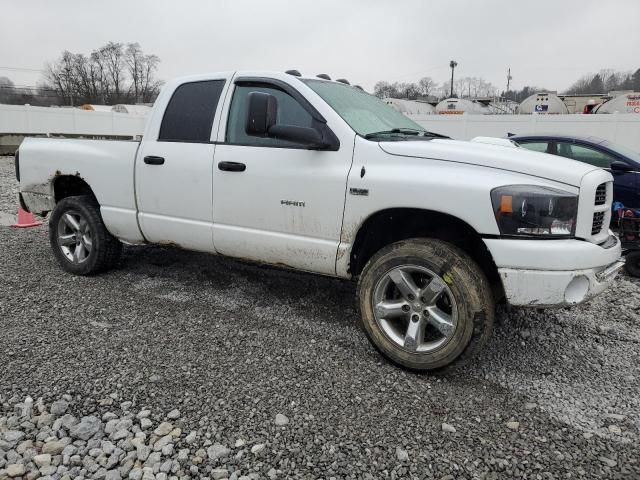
<point x="318" y="175"/>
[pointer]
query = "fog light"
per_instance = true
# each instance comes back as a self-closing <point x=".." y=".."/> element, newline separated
<point x="577" y="289"/>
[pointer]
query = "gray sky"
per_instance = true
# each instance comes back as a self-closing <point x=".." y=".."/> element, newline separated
<point x="547" y="43"/>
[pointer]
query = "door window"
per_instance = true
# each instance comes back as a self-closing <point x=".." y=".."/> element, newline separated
<point x="536" y="146"/>
<point x="585" y="154"/>
<point x="290" y="112"/>
<point x="189" y="114"/>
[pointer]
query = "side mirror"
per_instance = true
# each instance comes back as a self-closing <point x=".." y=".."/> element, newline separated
<point x="620" y="167"/>
<point x="261" y="114"/>
<point x="310" y="137"/>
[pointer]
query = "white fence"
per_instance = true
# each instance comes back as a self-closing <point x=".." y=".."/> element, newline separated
<point x="621" y="128"/>
<point x="25" y="119"/>
<point x="618" y="127"/>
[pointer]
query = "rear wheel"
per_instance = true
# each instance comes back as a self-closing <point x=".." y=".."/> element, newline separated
<point x="425" y="304"/>
<point x="79" y="239"/>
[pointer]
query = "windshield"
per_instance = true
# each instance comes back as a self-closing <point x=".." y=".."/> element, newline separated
<point x="624" y="151"/>
<point x="363" y="112"/>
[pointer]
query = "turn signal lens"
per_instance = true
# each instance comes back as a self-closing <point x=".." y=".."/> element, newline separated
<point x="506" y="204"/>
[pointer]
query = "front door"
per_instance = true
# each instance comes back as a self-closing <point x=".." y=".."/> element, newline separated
<point x="276" y="201"/>
<point x="173" y="171"/>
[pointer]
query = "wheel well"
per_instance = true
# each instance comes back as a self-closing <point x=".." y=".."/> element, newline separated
<point x="69" y="186"/>
<point x="396" y="224"/>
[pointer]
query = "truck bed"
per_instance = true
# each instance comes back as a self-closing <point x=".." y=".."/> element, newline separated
<point x="106" y="165"/>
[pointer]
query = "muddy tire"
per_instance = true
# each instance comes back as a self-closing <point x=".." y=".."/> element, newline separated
<point x="79" y="239"/>
<point x="425" y="304"/>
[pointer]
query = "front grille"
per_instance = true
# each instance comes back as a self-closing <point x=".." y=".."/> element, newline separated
<point x="601" y="194"/>
<point x="598" y="220"/>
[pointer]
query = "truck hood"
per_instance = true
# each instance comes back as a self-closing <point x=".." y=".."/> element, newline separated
<point x="520" y="160"/>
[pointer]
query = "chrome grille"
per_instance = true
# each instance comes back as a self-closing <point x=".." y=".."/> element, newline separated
<point x="601" y="194"/>
<point x="598" y="221"/>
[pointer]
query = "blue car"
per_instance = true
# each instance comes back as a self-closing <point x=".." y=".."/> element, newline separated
<point x="623" y="163"/>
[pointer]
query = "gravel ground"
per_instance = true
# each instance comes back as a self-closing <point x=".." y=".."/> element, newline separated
<point x="234" y="347"/>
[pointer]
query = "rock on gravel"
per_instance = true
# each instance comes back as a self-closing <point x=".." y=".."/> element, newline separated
<point x="15" y="470"/>
<point x="42" y="460"/>
<point x="54" y="447"/>
<point x="258" y="448"/>
<point x="217" y="451"/>
<point x="281" y="420"/>
<point x="513" y="425"/>
<point x="13" y="436"/>
<point x="191" y="437"/>
<point x="402" y="455"/>
<point x="87" y="428"/>
<point x="59" y="407"/>
<point x="219" y="473"/>
<point x="173" y="414"/>
<point x="448" y="428"/>
<point x="163" y="429"/>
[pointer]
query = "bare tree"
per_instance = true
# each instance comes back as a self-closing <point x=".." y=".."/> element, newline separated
<point x="109" y="75"/>
<point x="604" y="81"/>
<point x="150" y="86"/>
<point x="408" y="90"/>
<point x="383" y="89"/>
<point x="60" y="76"/>
<point x="134" y="58"/>
<point x="396" y="90"/>
<point x="110" y="58"/>
<point x="426" y="85"/>
<point x="7" y="90"/>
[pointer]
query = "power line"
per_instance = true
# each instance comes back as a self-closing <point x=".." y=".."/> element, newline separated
<point x="28" y="87"/>
<point x="21" y="69"/>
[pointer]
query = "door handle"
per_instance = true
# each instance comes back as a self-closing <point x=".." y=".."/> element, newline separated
<point x="232" y="166"/>
<point x="153" y="160"/>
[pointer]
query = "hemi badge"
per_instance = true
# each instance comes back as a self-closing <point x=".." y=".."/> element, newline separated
<point x="359" y="191"/>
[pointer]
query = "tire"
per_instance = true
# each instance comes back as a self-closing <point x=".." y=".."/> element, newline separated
<point x="79" y="239"/>
<point x="453" y="324"/>
<point x="632" y="263"/>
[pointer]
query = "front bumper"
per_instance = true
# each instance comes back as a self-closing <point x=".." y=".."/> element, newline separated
<point x="554" y="273"/>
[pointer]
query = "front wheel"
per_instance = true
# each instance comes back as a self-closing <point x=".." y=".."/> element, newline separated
<point x="425" y="304"/>
<point x="79" y="239"/>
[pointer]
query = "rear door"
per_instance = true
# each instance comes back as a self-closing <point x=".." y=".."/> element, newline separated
<point x="174" y="168"/>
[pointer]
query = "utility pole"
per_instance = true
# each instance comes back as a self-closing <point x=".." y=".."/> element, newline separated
<point x="509" y="77"/>
<point x="453" y="64"/>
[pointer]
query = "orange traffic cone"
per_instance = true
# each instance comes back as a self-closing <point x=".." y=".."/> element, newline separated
<point x="25" y="219"/>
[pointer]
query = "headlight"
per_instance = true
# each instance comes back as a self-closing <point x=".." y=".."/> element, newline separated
<point x="530" y="210"/>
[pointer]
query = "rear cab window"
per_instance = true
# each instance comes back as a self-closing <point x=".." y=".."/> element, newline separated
<point x="189" y="115"/>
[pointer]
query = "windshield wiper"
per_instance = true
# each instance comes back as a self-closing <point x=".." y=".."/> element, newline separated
<point x="434" y="134"/>
<point x="405" y="131"/>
